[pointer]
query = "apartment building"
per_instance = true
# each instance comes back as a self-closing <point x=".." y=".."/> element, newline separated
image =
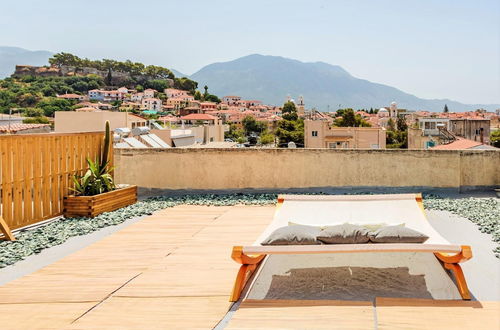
<point x="319" y="134"/>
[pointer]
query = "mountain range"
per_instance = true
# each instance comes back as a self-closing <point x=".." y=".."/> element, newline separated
<point x="272" y="78"/>
<point x="323" y="86"/>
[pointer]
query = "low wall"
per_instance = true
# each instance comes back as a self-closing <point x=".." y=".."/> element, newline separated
<point x="275" y="169"/>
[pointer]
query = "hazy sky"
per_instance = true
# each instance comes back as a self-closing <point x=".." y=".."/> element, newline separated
<point x="433" y="49"/>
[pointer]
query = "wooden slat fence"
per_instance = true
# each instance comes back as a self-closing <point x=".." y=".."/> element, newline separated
<point x="36" y="172"/>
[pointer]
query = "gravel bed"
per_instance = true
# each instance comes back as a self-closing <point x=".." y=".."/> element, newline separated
<point x="485" y="212"/>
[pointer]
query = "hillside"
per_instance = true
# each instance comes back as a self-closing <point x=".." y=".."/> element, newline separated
<point x="11" y="56"/>
<point x="272" y="78"/>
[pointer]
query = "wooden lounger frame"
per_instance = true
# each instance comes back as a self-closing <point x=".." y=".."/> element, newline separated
<point x="450" y="255"/>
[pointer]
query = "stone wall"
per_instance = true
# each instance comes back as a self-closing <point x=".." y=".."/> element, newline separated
<point x="273" y="169"/>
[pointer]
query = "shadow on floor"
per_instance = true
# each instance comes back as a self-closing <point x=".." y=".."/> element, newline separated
<point x="348" y="283"/>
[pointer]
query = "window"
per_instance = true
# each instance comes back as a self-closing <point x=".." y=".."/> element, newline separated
<point x="314" y="133"/>
<point x="375" y="146"/>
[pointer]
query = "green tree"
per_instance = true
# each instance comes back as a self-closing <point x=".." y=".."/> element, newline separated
<point x="49" y="105"/>
<point x="250" y="125"/>
<point x="211" y="98"/>
<point x="109" y="77"/>
<point x="139" y="88"/>
<point x="36" y="120"/>
<point x="185" y="84"/>
<point x="391" y="126"/>
<point x="197" y="95"/>
<point x="445" y="110"/>
<point x="267" y="138"/>
<point x="347" y="118"/>
<point x="401" y="123"/>
<point x="157" y="84"/>
<point x="289" y="111"/>
<point x="61" y="59"/>
<point x="33" y="112"/>
<point x="495" y="138"/>
<point x="290" y="131"/>
<point x="235" y="134"/>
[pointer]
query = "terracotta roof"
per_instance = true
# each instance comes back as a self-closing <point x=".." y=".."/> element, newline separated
<point x="169" y="118"/>
<point x="69" y="96"/>
<point x="459" y="144"/>
<point x="87" y="109"/>
<point x="20" y="127"/>
<point x="198" y="116"/>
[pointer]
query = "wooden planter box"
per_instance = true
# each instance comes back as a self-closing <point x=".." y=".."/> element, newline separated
<point x="90" y="206"/>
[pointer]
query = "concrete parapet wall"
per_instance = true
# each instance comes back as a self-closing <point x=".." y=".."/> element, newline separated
<point x="274" y="169"/>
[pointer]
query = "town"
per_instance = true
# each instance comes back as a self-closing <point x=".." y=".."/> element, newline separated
<point x="174" y="117"/>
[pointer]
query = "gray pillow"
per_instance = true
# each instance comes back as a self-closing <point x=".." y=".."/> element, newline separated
<point x="344" y="234"/>
<point x="293" y="235"/>
<point x="397" y="234"/>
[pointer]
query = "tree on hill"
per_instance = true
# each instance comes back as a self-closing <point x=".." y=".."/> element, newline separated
<point x="445" y="110"/>
<point x="185" y="84"/>
<point x="212" y="98"/>
<point x="197" y="96"/>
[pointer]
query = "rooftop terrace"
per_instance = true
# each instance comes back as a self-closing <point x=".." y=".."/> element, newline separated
<point x="172" y="270"/>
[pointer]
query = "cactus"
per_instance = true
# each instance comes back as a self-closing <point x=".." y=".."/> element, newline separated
<point x="105" y="151"/>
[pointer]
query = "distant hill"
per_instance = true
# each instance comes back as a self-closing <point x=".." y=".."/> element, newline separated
<point x="178" y="74"/>
<point x="12" y="56"/>
<point x="272" y="78"/>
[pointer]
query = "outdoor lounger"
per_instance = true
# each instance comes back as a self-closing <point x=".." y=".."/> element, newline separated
<point x="328" y="210"/>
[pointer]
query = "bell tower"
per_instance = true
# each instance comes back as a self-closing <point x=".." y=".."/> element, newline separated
<point x="393" y="110"/>
<point x="301" y="106"/>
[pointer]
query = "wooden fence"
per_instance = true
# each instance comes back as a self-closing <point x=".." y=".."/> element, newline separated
<point x="36" y="172"/>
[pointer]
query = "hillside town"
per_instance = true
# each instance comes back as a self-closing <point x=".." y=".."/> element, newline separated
<point x="187" y="118"/>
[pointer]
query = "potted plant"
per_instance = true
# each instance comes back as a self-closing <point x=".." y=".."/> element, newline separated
<point x="95" y="191"/>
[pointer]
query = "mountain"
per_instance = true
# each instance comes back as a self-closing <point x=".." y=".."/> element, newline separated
<point x="324" y="86"/>
<point x="12" y="56"/>
<point x="178" y="74"/>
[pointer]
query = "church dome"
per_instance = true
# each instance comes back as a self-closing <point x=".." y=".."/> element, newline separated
<point x="382" y="112"/>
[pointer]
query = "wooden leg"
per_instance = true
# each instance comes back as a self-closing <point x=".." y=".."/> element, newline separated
<point x="248" y="266"/>
<point x="6" y="230"/>
<point x="460" y="279"/>
<point x="451" y="262"/>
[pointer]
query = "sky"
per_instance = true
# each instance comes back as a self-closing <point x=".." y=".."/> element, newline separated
<point x="432" y="49"/>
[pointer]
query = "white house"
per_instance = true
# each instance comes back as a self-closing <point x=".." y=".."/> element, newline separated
<point x="151" y="103"/>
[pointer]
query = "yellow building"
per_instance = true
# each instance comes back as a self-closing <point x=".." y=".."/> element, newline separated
<point x="319" y="134"/>
<point x="81" y="121"/>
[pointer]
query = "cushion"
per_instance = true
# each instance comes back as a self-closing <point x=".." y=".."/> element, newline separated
<point x="370" y="226"/>
<point x="293" y="235"/>
<point x="397" y="234"/>
<point x="344" y="234"/>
